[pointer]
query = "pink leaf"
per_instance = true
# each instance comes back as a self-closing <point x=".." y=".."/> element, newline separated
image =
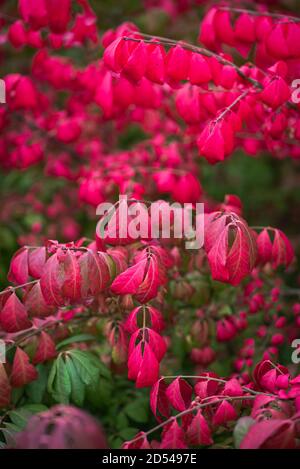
<point x="22" y="371"/>
<point x="72" y="278"/>
<point x="5" y="388"/>
<point x="279" y="434"/>
<point x="173" y="437"/>
<point x="130" y="280"/>
<point x="36" y="261"/>
<point x="45" y="349"/>
<point x="179" y="393"/>
<point x="198" y="432"/>
<point x="52" y="282"/>
<point x="18" y="271"/>
<point x="35" y="302"/>
<point x="149" y="287"/>
<point x="233" y="388"/>
<point x="143" y="366"/>
<point x="264" y="246"/>
<point x="225" y="413"/>
<point x="14" y="317"/>
<point x="282" y="251"/>
<point x="158" y="400"/>
<point x="97" y="269"/>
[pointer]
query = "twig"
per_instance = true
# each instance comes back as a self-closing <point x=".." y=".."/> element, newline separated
<point x="11" y="288"/>
<point x="218" y="380"/>
<point x="223" y="114"/>
<point x="188" y="411"/>
<point x="260" y="13"/>
<point x="198" y="50"/>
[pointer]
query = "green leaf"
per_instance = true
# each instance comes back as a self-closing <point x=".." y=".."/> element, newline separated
<point x="59" y="383"/>
<point x="75" y="338"/>
<point x="36" y="389"/>
<point x="85" y="366"/>
<point x="225" y="311"/>
<point x="77" y="385"/>
<point x="121" y="421"/>
<point x="51" y="377"/>
<point x="128" y="433"/>
<point x="19" y="417"/>
<point x="99" y="394"/>
<point x="9" y="433"/>
<point x="137" y="411"/>
<point x="35" y="408"/>
<point x="241" y="429"/>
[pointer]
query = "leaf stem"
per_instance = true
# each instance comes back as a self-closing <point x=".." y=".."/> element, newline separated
<point x="193" y="48"/>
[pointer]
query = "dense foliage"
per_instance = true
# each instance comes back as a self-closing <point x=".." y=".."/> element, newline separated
<point x="167" y="347"/>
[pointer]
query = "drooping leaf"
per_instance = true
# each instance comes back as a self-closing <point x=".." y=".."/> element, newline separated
<point x="130" y="280"/>
<point x="14" y="317"/>
<point x="52" y="282"/>
<point x="18" y="271"/>
<point x="159" y="402"/>
<point x="179" y="393"/>
<point x="5" y="388"/>
<point x="22" y="370"/>
<point x="173" y="437"/>
<point x="45" y="350"/>
<point x="36" y="261"/>
<point x="35" y="302"/>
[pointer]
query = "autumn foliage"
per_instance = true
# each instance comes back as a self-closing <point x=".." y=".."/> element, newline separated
<point x="167" y="347"/>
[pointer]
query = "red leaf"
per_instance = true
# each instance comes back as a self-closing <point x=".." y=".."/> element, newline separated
<point x="282" y="251"/>
<point x="198" y="432"/>
<point x="130" y="280"/>
<point x="225" y="413"/>
<point x="5" y="388"/>
<point x="14" y="317"/>
<point x="158" y="400"/>
<point x="52" y="281"/>
<point x="264" y="246"/>
<point x="233" y="388"/>
<point x="217" y="257"/>
<point x="22" y="371"/>
<point x="72" y="278"/>
<point x="149" y="287"/>
<point x="179" y="393"/>
<point x="135" y="67"/>
<point x="229" y="262"/>
<point x="242" y="255"/>
<point x="36" y="261"/>
<point x="155" y="70"/>
<point x="36" y="304"/>
<point x="173" y="437"/>
<point x="45" y="349"/>
<point x="140" y="443"/>
<point x="18" y="271"/>
<point x="215" y="223"/>
<point x="143" y="366"/>
<point x="277" y="434"/>
<point x="96" y="272"/>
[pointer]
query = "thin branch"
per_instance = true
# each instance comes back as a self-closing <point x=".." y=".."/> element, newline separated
<point x="219" y="380"/>
<point x="188" y="411"/>
<point x="223" y="114"/>
<point x="32" y="332"/>
<point x="11" y="288"/>
<point x="198" y="50"/>
<point x="260" y="13"/>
